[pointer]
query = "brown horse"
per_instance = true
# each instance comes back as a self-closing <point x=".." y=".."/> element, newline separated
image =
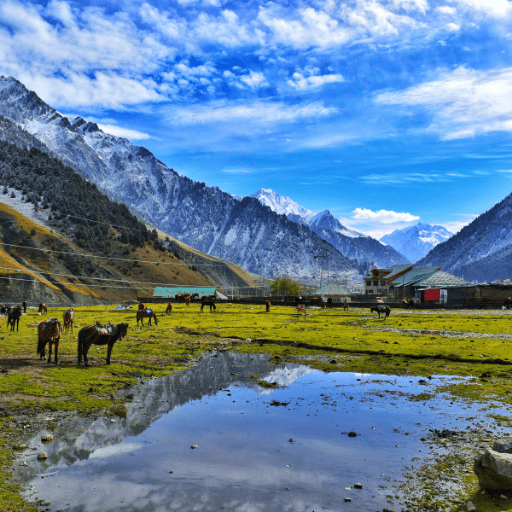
<point x="13" y="317"/>
<point x="408" y="303"/>
<point x="49" y="332"/>
<point x="146" y="313"/>
<point x="208" y="301"/>
<point x="69" y="319"/>
<point x="99" y="335"/>
<point x="168" y="311"/>
<point x="43" y="308"/>
<point x="380" y="309"/>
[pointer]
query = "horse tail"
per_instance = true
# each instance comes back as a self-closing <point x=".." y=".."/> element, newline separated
<point x="156" y="321"/>
<point x="40" y="341"/>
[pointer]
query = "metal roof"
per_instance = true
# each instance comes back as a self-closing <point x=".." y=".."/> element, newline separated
<point x="390" y="270"/>
<point x="413" y="276"/>
<point x="332" y="289"/>
<point x="171" y="291"/>
<point x="441" y="279"/>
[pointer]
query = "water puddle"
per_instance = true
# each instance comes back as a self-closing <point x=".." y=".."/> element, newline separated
<point x="210" y="438"/>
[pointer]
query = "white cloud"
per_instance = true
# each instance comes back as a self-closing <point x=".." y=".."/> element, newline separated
<point x="127" y="133"/>
<point x="444" y="9"/>
<point x="301" y="82"/>
<point x="382" y="216"/>
<point x="490" y="8"/>
<point x="254" y="79"/>
<point x="453" y="27"/>
<point x="312" y="28"/>
<point x="107" y="90"/>
<point x="259" y="111"/>
<point x="463" y="103"/>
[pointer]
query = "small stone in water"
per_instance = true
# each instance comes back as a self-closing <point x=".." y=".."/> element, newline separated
<point x="347" y="500"/>
<point x="291" y="440"/>
<point x="42" y="456"/>
<point x="352" y="434"/>
<point x="194" y="446"/>
<point x="358" y="486"/>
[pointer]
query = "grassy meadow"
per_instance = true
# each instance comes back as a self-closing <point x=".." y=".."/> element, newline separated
<point x="406" y="343"/>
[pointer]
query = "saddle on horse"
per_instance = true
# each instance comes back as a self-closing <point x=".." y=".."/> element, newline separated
<point x="109" y="329"/>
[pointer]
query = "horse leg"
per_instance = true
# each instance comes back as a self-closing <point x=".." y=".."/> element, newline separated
<point x="56" y="350"/>
<point x="50" y="351"/>
<point x="80" y="350"/>
<point x="109" y="350"/>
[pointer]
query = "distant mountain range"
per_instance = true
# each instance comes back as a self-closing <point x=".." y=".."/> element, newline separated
<point x="349" y="242"/>
<point x="416" y="241"/>
<point x="244" y="232"/>
<point x="266" y="234"/>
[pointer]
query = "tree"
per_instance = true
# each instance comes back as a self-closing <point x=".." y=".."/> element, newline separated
<point x="284" y="286"/>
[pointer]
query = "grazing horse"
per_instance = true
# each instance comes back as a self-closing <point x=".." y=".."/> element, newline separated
<point x="43" y="308"/>
<point x="49" y="332"/>
<point x="208" y="301"/>
<point x="345" y="304"/>
<point x="168" y="311"/>
<point x="69" y="319"/>
<point x="99" y="335"/>
<point x="13" y="317"/>
<point x="24" y="305"/>
<point x="409" y="303"/>
<point x="380" y="309"/>
<point x="146" y="313"/>
<point x="508" y="302"/>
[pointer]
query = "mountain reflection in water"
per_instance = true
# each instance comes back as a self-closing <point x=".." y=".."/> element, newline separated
<point x="250" y="456"/>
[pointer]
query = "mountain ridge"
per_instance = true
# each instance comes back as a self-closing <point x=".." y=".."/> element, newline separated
<point x="205" y="218"/>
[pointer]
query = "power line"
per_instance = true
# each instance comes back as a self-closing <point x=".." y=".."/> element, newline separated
<point x="83" y="277"/>
<point x="181" y="263"/>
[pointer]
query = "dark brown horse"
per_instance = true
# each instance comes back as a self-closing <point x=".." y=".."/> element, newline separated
<point x="146" y="313"/>
<point x="207" y="300"/>
<point x="168" y="311"/>
<point x="69" y="319"/>
<point x="43" y="308"/>
<point x="13" y="317"/>
<point x="508" y="302"/>
<point x="99" y="335"/>
<point x="380" y="309"/>
<point x="408" y="303"/>
<point x="49" y="332"/>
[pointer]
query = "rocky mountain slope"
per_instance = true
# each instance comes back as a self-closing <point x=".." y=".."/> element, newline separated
<point x="349" y="242"/>
<point x="482" y="250"/>
<point x="64" y="241"/>
<point x="210" y="220"/>
<point x="416" y="241"/>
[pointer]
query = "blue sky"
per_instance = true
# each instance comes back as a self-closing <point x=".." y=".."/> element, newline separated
<point x="386" y="112"/>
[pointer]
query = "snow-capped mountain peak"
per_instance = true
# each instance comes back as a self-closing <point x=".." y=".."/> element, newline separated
<point x="281" y="204"/>
<point x="416" y="241"/>
<point x="349" y="242"/>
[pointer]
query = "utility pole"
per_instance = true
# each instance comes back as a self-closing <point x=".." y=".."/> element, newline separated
<point x="324" y="264"/>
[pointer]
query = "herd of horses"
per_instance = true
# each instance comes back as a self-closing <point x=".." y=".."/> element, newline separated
<point x="51" y="330"/>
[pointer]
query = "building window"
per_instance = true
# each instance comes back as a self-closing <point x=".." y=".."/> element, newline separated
<point x="375" y="283"/>
<point x="368" y="283"/>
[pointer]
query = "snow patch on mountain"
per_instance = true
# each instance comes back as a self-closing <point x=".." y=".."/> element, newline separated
<point x="416" y="241"/>
<point x="206" y="218"/>
<point x="349" y="242"/>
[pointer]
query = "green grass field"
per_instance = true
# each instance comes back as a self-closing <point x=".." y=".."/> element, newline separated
<point x="332" y="340"/>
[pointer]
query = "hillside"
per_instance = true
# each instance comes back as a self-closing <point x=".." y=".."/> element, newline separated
<point x="481" y="250"/>
<point x="212" y="221"/>
<point x="76" y="245"/>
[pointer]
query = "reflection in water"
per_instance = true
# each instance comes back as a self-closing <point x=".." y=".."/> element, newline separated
<point x="250" y="455"/>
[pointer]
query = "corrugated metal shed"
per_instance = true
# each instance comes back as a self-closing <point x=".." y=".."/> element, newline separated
<point x="166" y="291"/>
<point x="441" y="279"/>
<point x="413" y="276"/>
<point x="332" y="289"/>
